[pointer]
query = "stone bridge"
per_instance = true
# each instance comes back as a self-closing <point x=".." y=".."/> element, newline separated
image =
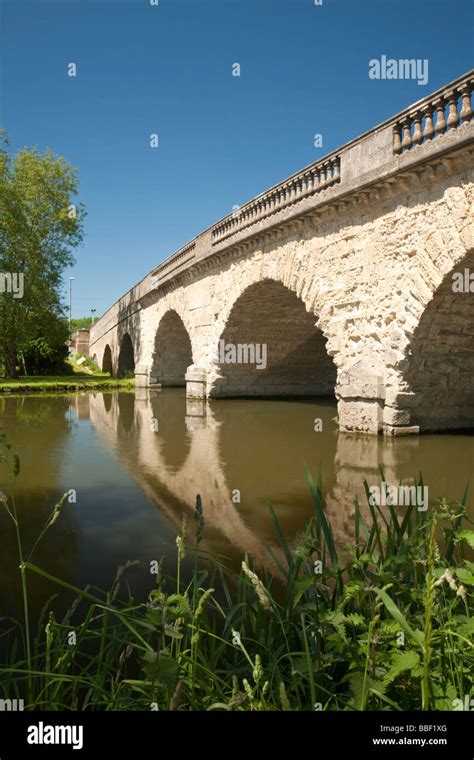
<point x="356" y="274"/>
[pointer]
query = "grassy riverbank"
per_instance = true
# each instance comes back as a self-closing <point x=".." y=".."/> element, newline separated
<point x="61" y="384"/>
<point x="386" y="624"/>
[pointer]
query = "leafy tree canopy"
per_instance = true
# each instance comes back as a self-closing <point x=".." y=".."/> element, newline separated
<point x="40" y="225"/>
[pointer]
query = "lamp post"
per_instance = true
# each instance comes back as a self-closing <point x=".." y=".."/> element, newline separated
<point x="70" y="303"/>
<point x="93" y="311"/>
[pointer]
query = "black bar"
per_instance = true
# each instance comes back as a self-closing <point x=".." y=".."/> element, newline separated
<point x="220" y="734"/>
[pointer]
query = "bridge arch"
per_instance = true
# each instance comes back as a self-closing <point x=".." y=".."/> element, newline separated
<point x="126" y="359"/>
<point x="107" y="365"/>
<point x="439" y="366"/>
<point x="271" y="346"/>
<point x="173" y="352"/>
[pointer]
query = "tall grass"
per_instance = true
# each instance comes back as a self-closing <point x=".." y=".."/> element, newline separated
<point x="386" y="625"/>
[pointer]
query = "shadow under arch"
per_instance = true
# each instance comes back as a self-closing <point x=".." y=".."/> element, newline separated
<point x="126" y="359"/>
<point x="172" y="352"/>
<point x="107" y="361"/>
<point x="297" y="364"/>
<point x="439" y="368"/>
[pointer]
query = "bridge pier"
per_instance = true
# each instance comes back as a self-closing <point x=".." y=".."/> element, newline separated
<point x="370" y="415"/>
<point x="144" y="377"/>
<point x="366" y="405"/>
<point x="360" y="393"/>
<point x="202" y="383"/>
<point x="398" y="413"/>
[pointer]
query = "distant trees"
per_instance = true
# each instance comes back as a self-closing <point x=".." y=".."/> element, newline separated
<point x="83" y="323"/>
<point x="40" y="226"/>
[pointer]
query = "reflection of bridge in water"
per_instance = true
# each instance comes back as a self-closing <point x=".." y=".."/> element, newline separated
<point x="246" y="445"/>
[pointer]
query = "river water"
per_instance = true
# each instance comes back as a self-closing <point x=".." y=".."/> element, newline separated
<point x="136" y="462"/>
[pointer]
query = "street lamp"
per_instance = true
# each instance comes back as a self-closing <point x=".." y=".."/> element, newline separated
<point x="70" y="303"/>
<point x="93" y="311"/>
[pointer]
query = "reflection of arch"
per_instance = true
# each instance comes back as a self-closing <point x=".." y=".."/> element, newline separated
<point x="273" y="473"/>
<point x="107" y="397"/>
<point x="440" y="365"/>
<point x="171" y="478"/>
<point x="126" y="360"/>
<point x="173" y="352"/>
<point x="169" y="410"/>
<point x="297" y="363"/>
<point x="126" y="405"/>
<point x="107" y="360"/>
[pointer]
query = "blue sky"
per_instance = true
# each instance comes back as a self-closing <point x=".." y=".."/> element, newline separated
<point x="167" y="69"/>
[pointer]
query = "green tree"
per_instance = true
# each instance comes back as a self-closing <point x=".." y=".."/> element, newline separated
<point x="81" y="323"/>
<point x="45" y="352"/>
<point x="40" y="225"/>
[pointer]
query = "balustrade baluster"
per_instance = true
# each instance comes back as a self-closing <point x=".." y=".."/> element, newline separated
<point x="406" y="141"/>
<point x="417" y="132"/>
<point x="453" y="118"/>
<point x="328" y="168"/>
<point x="427" y="112"/>
<point x="397" y="140"/>
<point x="440" y="125"/>
<point x="466" y="110"/>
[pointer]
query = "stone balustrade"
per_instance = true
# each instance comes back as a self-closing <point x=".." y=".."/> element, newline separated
<point x="311" y="180"/>
<point x="440" y="113"/>
<point x="445" y="110"/>
<point x="182" y="256"/>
